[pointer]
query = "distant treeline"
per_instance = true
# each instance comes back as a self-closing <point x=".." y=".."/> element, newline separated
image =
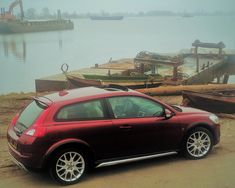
<point x="45" y="13"/>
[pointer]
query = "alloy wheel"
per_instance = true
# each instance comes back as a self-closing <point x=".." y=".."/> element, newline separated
<point x="198" y="144"/>
<point x="70" y="166"/>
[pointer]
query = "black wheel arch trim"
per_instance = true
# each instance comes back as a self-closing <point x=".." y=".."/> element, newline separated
<point x="68" y="143"/>
<point x="195" y="125"/>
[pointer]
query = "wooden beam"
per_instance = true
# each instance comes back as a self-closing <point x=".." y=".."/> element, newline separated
<point x="197" y="43"/>
<point x="177" y="90"/>
<point x="159" y="62"/>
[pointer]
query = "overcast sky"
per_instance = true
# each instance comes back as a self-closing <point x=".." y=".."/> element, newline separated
<point x="83" y="6"/>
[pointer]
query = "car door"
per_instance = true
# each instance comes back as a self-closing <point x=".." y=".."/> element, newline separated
<point x="88" y="122"/>
<point x="143" y="127"/>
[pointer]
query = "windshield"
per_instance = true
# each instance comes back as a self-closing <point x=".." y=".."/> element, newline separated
<point x="28" y="116"/>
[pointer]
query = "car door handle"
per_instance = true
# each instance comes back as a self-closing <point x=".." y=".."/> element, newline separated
<point x="125" y="126"/>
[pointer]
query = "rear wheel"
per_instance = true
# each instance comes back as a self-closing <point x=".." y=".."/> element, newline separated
<point x="198" y="143"/>
<point x="68" y="166"/>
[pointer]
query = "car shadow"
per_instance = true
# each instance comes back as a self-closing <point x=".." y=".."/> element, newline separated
<point x="44" y="178"/>
<point x="133" y="166"/>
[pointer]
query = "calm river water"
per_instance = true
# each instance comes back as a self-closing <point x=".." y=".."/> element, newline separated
<point x="25" y="57"/>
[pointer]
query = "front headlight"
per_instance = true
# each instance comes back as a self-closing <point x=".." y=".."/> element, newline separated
<point x="214" y="118"/>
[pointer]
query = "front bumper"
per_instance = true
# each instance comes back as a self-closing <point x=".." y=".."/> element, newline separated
<point x="217" y="134"/>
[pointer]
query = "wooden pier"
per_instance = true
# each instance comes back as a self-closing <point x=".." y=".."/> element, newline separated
<point x="190" y="68"/>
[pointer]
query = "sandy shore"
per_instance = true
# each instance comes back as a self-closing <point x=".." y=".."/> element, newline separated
<point x="217" y="170"/>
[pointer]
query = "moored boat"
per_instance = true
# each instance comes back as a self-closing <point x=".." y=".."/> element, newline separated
<point x="220" y="101"/>
<point x="75" y="82"/>
<point x="22" y="26"/>
<point x="10" y="24"/>
<point x="106" y="17"/>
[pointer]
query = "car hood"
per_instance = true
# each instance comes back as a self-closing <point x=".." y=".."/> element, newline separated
<point x="189" y="110"/>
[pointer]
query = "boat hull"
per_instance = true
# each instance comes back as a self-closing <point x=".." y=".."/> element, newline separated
<point x="75" y="82"/>
<point x="8" y="27"/>
<point x="210" y="101"/>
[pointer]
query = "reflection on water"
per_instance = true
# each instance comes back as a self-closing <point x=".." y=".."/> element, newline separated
<point x="17" y="49"/>
<point x="91" y="42"/>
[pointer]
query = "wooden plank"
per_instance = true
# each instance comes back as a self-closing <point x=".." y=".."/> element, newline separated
<point x="198" y="43"/>
<point x="177" y="90"/>
<point x="159" y="62"/>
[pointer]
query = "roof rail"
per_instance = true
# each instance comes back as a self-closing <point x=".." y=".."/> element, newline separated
<point x="115" y="86"/>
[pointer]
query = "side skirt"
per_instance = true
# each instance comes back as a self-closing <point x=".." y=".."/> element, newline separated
<point x="115" y="162"/>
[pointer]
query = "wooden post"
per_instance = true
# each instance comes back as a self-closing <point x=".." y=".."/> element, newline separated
<point x="197" y="68"/>
<point x="218" y="79"/>
<point x="196" y="48"/>
<point x="220" y="52"/>
<point x="142" y="68"/>
<point x="226" y="78"/>
<point x="153" y="69"/>
<point x="175" y="73"/>
<point x="197" y="58"/>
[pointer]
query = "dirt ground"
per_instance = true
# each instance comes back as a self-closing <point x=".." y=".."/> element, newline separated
<point x="215" y="171"/>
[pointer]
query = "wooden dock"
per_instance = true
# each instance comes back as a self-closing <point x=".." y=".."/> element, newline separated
<point x="191" y="67"/>
<point x="59" y="82"/>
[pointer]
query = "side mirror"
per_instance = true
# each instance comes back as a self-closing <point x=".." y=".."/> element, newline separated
<point x="168" y="114"/>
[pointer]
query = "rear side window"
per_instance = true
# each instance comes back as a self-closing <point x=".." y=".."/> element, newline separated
<point x="91" y="110"/>
<point x="29" y="115"/>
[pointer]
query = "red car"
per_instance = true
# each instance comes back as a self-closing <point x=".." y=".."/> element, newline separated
<point x="70" y="131"/>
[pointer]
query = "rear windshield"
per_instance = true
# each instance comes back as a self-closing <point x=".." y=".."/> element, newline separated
<point x="29" y="115"/>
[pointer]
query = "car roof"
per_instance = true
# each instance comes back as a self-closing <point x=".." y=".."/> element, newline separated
<point x="87" y="92"/>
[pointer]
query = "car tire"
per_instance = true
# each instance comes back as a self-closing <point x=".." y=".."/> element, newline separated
<point x="198" y="143"/>
<point x="68" y="166"/>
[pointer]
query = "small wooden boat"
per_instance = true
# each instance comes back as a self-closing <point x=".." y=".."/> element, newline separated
<point x="220" y="101"/>
<point x="81" y="82"/>
<point x="76" y="82"/>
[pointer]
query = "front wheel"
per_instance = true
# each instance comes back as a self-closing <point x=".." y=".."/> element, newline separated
<point x="198" y="143"/>
<point x="68" y="166"/>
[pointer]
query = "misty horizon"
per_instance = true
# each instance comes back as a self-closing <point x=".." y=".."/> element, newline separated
<point x="127" y="6"/>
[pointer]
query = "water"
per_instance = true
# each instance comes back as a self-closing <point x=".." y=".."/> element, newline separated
<point x="25" y="57"/>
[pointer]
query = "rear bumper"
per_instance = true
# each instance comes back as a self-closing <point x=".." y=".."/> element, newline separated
<point x="24" y="161"/>
<point x="18" y="163"/>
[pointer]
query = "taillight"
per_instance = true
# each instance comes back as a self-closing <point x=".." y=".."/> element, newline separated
<point x="36" y="131"/>
<point x="14" y="120"/>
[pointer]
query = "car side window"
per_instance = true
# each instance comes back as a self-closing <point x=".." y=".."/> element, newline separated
<point x="91" y="110"/>
<point x="131" y="107"/>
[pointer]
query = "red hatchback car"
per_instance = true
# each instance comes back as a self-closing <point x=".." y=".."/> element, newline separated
<point x="69" y="131"/>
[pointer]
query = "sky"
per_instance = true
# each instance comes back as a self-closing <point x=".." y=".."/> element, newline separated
<point x="84" y="6"/>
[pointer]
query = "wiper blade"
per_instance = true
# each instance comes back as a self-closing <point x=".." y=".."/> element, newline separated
<point x="17" y="131"/>
<point x="22" y="125"/>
